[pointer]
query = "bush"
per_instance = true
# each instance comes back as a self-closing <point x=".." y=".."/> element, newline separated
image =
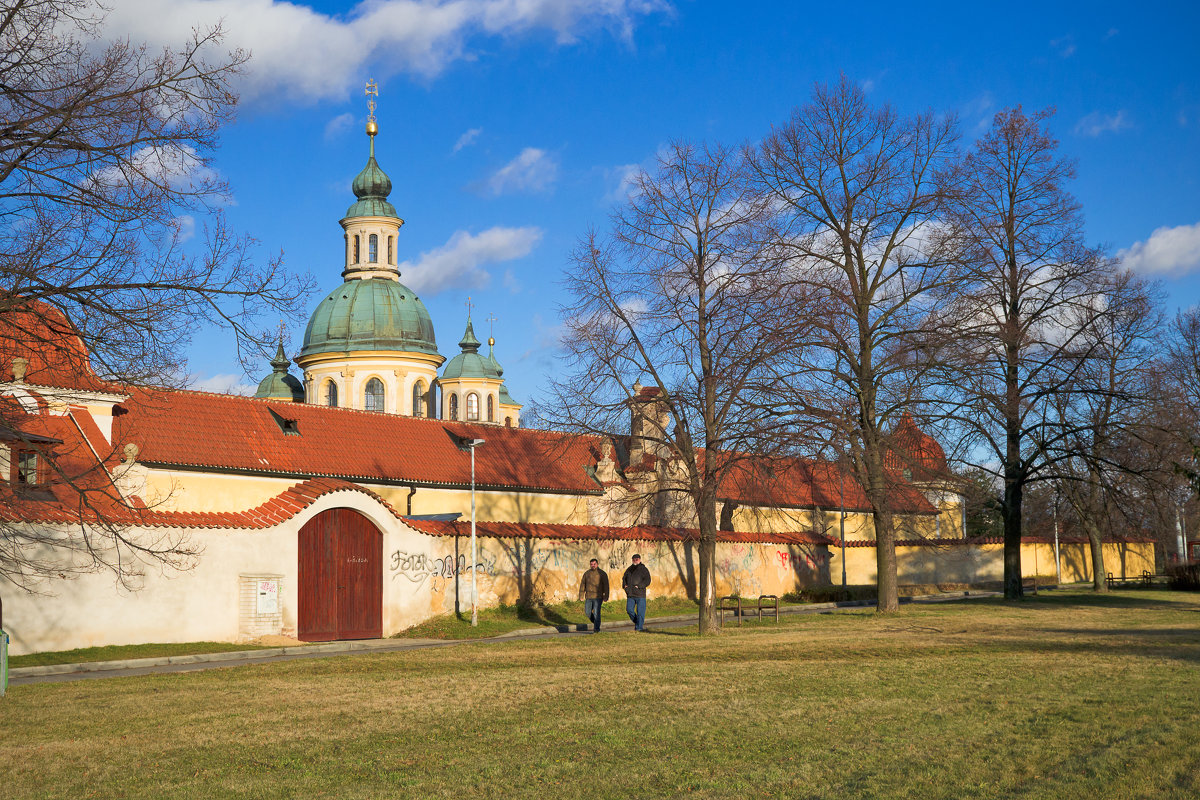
<point x="1184" y="576"/>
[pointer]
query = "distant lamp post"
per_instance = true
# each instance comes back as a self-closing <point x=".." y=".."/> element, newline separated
<point x="842" y="518"/>
<point x="471" y="444"/>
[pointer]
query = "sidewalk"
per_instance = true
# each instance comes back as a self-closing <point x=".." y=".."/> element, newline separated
<point x="142" y="666"/>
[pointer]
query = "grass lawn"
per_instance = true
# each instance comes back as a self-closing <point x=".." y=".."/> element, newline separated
<point x="1063" y="696"/>
<point x="123" y="651"/>
<point x="494" y="621"/>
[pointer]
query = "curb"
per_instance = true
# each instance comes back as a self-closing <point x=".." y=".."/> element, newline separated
<point x="403" y="644"/>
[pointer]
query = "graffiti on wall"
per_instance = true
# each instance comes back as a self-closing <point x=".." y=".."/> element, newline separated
<point x="419" y="567"/>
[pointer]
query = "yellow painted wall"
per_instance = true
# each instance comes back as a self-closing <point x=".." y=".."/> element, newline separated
<point x="1123" y="560"/>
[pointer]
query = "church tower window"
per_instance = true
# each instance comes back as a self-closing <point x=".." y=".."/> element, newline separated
<point x="473" y="407"/>
<point x="491" y="409"/>
<point x="330" y="393"/>
<point x="453" y="406"/>
<point x="418" y="406"/>
<point x="373" y="395"/>
<point x="356" y="248"/>
<point x="373" y="248"/>
<point x="391" y="250"/>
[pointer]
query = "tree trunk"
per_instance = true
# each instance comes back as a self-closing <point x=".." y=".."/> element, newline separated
<point x="1013" y="499"/>
<point x="887" y="582"/>
<point x="1096" y="546"/>
<point x="707" y="590"/>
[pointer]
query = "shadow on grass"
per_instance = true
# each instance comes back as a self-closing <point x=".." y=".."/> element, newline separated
<point x="1121" y="598"/>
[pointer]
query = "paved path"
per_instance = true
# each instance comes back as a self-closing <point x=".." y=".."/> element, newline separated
<point x="191" y="663"/>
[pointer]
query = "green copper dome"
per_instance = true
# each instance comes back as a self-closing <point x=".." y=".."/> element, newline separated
<point x="279" y="384"/>
<point x="468" y="363"/>
<point x="372" y="187"/>
<point x="370" y="314"/>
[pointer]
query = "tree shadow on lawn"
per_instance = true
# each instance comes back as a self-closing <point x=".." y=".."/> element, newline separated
<point x="1124" y="598"/>
<point x="1167" y="643"/>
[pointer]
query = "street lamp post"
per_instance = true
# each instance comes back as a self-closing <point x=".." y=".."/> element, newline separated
<point x="842" y="519"/>
<point x="471" y="444"/>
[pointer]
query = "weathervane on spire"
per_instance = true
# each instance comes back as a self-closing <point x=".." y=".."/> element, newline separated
<point x="469" y="305"/>
<point x="372" y="91"/>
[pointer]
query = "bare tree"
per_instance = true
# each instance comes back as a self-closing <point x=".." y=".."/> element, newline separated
<point x="105" y="174"/>
<point x="105" y="164"/>
<point x="676" y="296"/>
<point x="1105" y="414"/>
<point x="1031" y="282"/>
<point x="856" y="194"/>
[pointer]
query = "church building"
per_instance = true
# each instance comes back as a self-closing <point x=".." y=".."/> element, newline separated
<point x="336" y="505"/>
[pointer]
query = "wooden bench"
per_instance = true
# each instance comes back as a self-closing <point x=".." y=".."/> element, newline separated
<point x="766" y="602"/>
<point x="1145" y="579"/>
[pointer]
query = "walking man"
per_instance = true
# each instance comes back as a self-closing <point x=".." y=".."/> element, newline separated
<point x="635" y="581"/>
<point x="593" y="591"/>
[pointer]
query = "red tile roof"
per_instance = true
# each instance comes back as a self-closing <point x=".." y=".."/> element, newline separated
<point x="234" y="433"/>
<point x="916" y="451"/>
<point x="644" y="533"/>
<point x="42" y="334"/>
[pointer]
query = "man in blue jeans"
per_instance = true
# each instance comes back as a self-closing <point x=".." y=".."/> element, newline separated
<point x="593" y="591"/>
<point x="634" y="582"/>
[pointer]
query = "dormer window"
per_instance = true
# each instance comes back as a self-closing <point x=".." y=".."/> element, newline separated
<point x="373" y="248"/>
<point x="25" y="468"/>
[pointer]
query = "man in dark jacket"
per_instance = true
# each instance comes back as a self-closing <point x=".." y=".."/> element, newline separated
<point x="635" y="581"/>
<point x="593" y="591"/>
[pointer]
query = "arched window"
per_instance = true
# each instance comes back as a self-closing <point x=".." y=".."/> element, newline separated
<point x="418" y="399"/>
<point x="391" y="252"/>
<point x="330" y="393"/>
<point x="508" y="422"/>
<point x="356" y="248"/>
<point x="453" y="406"/>
<point x="491" y="410"/>
<point x="373" y="248"/>
<point x="373" y="395"/>
<point x="472" y="406"/>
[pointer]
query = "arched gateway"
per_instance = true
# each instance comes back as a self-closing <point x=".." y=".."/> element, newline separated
<point x="341" y="577"/>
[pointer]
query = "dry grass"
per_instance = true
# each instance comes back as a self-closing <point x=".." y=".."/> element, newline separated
<point x="1066" y="696"/>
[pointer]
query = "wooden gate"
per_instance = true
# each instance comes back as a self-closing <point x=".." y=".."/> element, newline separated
<point x="341" y="577"/>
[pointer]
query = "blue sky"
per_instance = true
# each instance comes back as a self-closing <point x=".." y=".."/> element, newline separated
<point x="507" y="126"/>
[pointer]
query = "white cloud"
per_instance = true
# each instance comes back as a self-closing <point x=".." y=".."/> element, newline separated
<point x="303" y="55"/>
<point x="460" y="262"/>
<point x="185" y="226"/>
<point x="223" y="384"/>
<point x="338" y="125"/>
<point x="623" y="178"/>
<point x="534" y="170"/>
<point x="1169" y="252"/>
<point x="1097" y="123"/>
<point x="466" y="139"/>
<point x="510" y="281"/>
<point x="1065" y="45"/>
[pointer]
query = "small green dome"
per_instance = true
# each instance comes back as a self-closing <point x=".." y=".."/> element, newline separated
<point x="370" y="314"/>
<point x="280" y="384"/>
<point x="506" y="398"/>
<point x="468" y="363"/>
<point x="372" y="187"/>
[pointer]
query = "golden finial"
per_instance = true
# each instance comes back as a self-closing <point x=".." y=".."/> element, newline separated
<point x="371" y="92"/>
<point x="492" y="319"/>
